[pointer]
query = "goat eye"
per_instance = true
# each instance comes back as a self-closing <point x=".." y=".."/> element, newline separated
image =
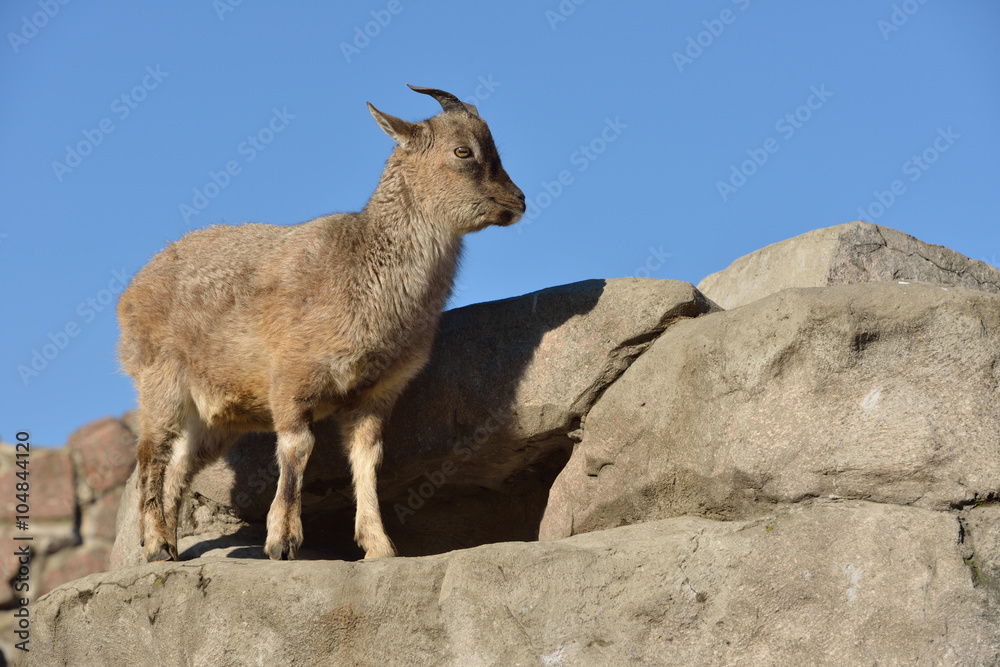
<point x="463" y="151"/>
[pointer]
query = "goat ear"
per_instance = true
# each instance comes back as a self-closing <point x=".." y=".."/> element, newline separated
<point x="402" y="132"/>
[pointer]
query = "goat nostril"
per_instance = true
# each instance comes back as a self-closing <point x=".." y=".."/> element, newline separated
<point x="519" y="195"/>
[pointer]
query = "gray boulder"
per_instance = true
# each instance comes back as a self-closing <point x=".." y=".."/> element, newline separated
<point x="856" y="252"/>
<point x="822" y="583"/>
<point x="811" y="478"/>
<point x="879" y="392"/>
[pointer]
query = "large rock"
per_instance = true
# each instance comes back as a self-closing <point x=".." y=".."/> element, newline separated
<point x="811" y="478"/>
<point x="824" y="583"/>
<point x="104" y="451"/>
<point x="881" y="392"/>
<point x="982" y="523"/>
<point x="49" y="469"/>
<point x="73" y="499"/>
<point x="73" y="563"/>
<point x="476" y="439"/>
<point x="856" y="252"/>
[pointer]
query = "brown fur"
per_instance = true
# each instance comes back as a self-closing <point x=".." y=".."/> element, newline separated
<point x="261" y="327"/>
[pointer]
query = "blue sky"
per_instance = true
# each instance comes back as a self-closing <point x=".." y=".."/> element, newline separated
<point x="651" y="138"/>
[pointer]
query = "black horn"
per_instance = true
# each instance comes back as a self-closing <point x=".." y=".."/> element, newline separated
<point x="449" y="102"/>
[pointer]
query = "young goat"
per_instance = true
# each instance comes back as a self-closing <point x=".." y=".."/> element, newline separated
<point x="271" y="328"/>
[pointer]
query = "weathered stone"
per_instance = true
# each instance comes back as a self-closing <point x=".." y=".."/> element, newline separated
<point x="486" y="426"/>
<point x="50" y="480"/>
<point x="856" y="252"/>
<point x="44" y="538"/>
<point x="823" y="583"/>
<point x="105" y="452"/>
<point x="880" y="392"/>
<point x="99" y="519"/>
<point x="52" y="529"/>
<point x="205" y="520"/>
<point x="125" y="551"/>
<point x="983" y="527"/>
<point x="9" y="563"/>
<point x="813" y="479"/>
<point x="71" y="564"/>
<point x="49" y="537"/>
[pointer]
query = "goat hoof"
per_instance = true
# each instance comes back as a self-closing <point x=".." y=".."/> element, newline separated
<point x="282" y="549"/>
<point x="381" y="551"/>
<point x="158" y="549"/>
<point x="159" y="556"/>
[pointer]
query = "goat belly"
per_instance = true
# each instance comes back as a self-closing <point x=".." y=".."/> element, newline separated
<point x="233" y="410"/>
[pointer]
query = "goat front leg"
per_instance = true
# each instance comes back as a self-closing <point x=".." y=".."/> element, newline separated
<point x="284" y="520"/>
<point x="363" y="439"/>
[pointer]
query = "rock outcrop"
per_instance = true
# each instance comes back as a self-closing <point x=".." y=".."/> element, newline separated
<point x="821" y="583"/>
<point x="74" y="494"/>
<point x="857" y="252"/>
<point x="879" y="392"/>
<point x="812" y="477"/>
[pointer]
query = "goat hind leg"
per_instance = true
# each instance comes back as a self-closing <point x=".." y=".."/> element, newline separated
<point x="199" y="446"/>
<point x="144" y="456"/>
<point x="163" y="412"/>
<point x="155" y="536"/>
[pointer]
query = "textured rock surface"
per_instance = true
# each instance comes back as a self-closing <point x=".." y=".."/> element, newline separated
<point x="856" y="252"/>
<point x="880" y="392"/>
<point x="105" y="455"/>
<point x="475" y="440"/>
<point x="51" y="467"/>
<point x="74" y="493"/>
<point x="821" y="584"/>
<point x="810" y="479"/>
<point x="982" y="524"/>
